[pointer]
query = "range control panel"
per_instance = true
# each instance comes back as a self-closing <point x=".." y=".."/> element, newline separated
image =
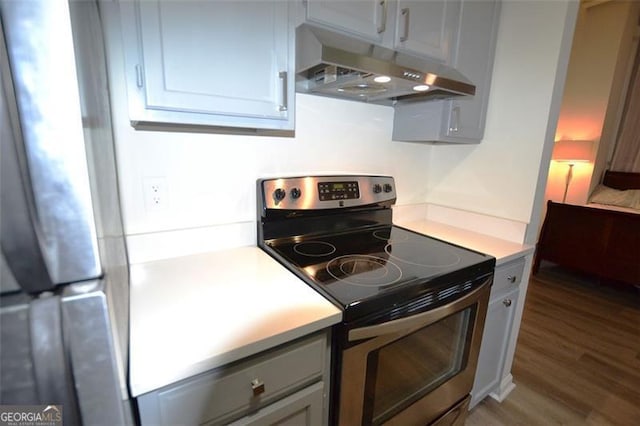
<point x="326" y="192"/>
<point x="338" y="190"/>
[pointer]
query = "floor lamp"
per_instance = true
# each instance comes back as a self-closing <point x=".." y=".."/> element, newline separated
<point x="571" y="151"/>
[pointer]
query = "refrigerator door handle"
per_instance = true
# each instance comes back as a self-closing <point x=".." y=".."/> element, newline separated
<point x="51" y="366"/>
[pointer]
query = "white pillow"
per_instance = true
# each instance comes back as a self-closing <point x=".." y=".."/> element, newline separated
<point x="614" y="197"/>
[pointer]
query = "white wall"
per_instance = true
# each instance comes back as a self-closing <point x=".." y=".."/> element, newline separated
<point x="499" y="176"/>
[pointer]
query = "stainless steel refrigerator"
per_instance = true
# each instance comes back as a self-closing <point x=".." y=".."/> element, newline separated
<point x="63" y="270"/>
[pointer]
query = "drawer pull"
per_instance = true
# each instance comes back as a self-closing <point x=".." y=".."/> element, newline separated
<point x="257" y="386"/>
<point x="505" y="302"/>
<point x="511" y="279"/>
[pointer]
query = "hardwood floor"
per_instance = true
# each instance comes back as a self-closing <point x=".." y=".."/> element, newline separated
<point x="578" y="357"/>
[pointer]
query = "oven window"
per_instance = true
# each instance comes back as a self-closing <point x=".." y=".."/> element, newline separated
<point x="405" y="370"/>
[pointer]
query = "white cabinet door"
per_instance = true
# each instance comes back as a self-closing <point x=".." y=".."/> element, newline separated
<point x="427" y="27"/>
<point x="458" y="120"/>
<point x="194" y="62"/>
<point x="494" y="343"/>
<point x="303" y="408"/>
<point x="364" y="18"/>
<point x="419" y="27"/>
<point x="474" y="57"/>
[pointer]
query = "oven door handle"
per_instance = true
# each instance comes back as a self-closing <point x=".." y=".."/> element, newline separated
<point x="419" y="320"/>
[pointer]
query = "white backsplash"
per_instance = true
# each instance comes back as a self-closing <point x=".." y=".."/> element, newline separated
<point x="183" y="242"/>
<point x="211" y="178"/>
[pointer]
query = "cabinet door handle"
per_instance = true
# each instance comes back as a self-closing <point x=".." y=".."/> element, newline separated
<point x="257" y="386"/>
<point x="511" y="279"/>
<point x="405" y="12"/>
<point x="383" y="22"/>
<point x="455" y="119"/>
<point x="506" y="302"/>
<point x="284" y="106"/>
<point x="139" y="76"/>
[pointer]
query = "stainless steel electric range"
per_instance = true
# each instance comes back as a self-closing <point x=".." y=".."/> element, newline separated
<point x="413" y="306"/>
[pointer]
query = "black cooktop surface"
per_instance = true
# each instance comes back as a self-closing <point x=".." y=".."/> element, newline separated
<point x="357" y="267"/>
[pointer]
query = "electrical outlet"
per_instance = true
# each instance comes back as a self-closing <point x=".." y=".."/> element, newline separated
<point x="155" y="193"/>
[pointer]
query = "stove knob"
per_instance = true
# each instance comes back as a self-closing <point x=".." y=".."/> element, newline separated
<point x="388" y="187"/>
<point x="279" y="194"/>
<point x="296" y="193"/>
<point x="377" y="188"/>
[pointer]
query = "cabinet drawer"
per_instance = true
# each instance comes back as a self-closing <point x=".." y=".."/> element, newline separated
<point x="508" y="275"/>
<point x="303" y="408"/>
<point x="227" y="393"/>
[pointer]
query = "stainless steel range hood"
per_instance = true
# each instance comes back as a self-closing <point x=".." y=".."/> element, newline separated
<point x="336" y="65"/>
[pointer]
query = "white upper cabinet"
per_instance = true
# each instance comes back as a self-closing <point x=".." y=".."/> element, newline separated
<point x="458" y="120"/>
<point x="221" y="63"/>
<point x="474" y="58"/>
<point x="427" y="28"/>
<point x="422" y="28"/>
<point x="364" y="18"/>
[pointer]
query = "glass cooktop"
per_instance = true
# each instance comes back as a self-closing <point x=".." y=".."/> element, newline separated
<point x="360" y="267"/>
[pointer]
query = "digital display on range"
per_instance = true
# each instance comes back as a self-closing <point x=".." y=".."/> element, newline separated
<point x="338" y="191"/>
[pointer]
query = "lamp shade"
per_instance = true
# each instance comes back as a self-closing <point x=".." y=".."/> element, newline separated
<point x="572" y="150"/>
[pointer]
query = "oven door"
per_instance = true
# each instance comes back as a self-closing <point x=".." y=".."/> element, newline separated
<point x="413" y="370"/>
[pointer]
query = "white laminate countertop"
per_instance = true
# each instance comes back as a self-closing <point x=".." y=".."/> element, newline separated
<point x="195" y="313"/>
<point x="503" y="250"/>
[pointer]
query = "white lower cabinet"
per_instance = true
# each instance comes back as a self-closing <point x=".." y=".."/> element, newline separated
<point x="303" y="408"/>
<point x="287" y="385"/>
<point x="497" y="329"/>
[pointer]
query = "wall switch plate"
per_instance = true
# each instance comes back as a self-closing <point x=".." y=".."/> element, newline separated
<point x="156" y="195"/>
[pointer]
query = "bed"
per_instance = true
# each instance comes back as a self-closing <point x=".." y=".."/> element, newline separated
<point x="601" y="238"/>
